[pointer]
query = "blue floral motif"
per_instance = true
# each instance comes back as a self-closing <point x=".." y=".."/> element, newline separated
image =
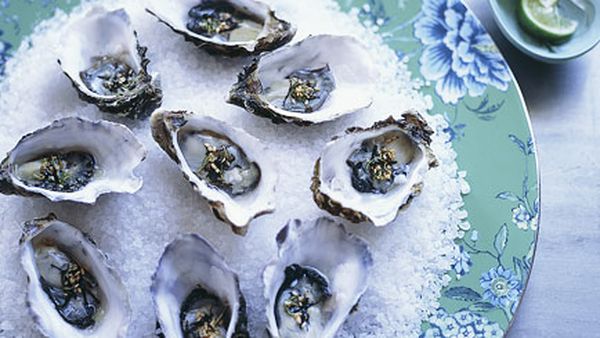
<point x="454" y="129"/>
<point x="433" y="332"/>
<point x="463" y="264"/>
<point x="523" y="219"/>
<point x="492" y="331"/>
<point x="461" y="324"/>
<point x="461" y="61"/>
<point x="373" y="12"/>
<point x="525" y="215"/>
<point x="501" y="287"/>
<point x="459" y="55"/>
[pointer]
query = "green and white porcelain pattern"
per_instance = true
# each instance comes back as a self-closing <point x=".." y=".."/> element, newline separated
<point x="471" y="85"/>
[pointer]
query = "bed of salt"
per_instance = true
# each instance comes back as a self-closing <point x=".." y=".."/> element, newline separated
<point x="412" y="255"/>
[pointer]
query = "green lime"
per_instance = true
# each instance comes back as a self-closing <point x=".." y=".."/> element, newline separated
<point x="542" y="18"/>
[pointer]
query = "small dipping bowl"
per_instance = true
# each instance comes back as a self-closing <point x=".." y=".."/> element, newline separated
<point x="585" y="38"/>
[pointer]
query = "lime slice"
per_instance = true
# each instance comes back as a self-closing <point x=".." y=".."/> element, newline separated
<point x="543" y="19"/>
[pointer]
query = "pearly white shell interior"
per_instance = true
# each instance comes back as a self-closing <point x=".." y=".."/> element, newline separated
<point x="99" y="33"/>
<point x="115" y="316"/>
<point x="349" y="61"/>
<point x="114" y="147"/>
<point x="336" y="176"/>
<point x="188" y="262"/>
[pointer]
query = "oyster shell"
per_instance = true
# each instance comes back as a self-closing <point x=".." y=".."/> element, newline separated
<point x="319" y="276"/>
<point x="72" y="291"/>
<point x="73" y="159"/>
<point x="370" y="174"/>
<point x="229" y="27"/>
<point x="196" y="294"/>
<point x="318" y="79"/>
<point x="224" y="164"/>
<point x="104" y="61"/>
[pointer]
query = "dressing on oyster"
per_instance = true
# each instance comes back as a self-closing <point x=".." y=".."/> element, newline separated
<point x="104" y="61"/>
<point x="229" y="27"/>
<point x="72" y="291"/>
<point x="224" y="164"/>
<point x="73" y="159"/>
<point x="318" y="79"/>
<point x="319" y="276"/>
<point x="370" y="174"/>
<point x="196" y="294"/>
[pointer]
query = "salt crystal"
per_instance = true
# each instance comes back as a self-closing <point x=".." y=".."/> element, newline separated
<point x="412" y="255"/>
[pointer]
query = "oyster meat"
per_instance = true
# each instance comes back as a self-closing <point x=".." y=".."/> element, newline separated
<point x="73" y="159"/>
<point x="318" y="79"/>
<point x="104" y="61"/>
<point x="319" y="276"/>
<point x="225" y="165"/>
<point x="370" y="174"/>
<point x="196" y="294"/>
<point x="72" y="291"/>
<point x="229" y="27"/>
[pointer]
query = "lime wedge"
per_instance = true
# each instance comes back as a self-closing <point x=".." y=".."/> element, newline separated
<point x="542" y="18"/>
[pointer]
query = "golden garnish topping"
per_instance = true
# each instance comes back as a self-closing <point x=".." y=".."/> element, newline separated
<point x="72" y="278"/>
<point x="52" y="169"/>
<point x="217" y="25"/>
<point x="381" y="165"/>
<point x="303" y="90"/>
<point x="216" y="161"/>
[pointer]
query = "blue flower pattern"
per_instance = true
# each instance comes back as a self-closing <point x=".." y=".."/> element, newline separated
<point x="459" y="55"/>
<point x="461" y="60"/>
<point x="525" y="214"/>
<point x="455" y="129"/>
<point x="461" y="324"/>
<point x="463" y="263"/>
<point x="501" y="287"/>
<point x="373" y="12"/>
<point x="523" y="218"/>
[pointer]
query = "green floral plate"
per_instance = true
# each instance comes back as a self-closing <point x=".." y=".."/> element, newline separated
<point x="473" y="88"/>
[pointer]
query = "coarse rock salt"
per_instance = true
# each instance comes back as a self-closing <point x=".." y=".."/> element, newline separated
<point x="412" y="255"/>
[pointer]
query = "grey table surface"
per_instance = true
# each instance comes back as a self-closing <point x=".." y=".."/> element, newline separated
<point x="563" y="296"/>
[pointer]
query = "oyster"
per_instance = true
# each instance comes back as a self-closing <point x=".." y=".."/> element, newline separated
<point x="108" y="67"/>
<point x="225" y="165"/>
<point x="229" y="27"/>
<point x="318" y="79"/>
<point x="73" y="159"/>
<point x="370" y="174"/>
<point x="319" y="276"/>
<point x="196" y="294"/>
<point x="72" y="291"/>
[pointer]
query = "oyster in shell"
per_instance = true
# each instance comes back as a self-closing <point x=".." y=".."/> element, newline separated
<point x="224" y="164"/>
<point x="73" y="159"/>
<point x="229" y="27"/>
<point x="319" y="276"/>
<point x="72" y="290"/>
<point x="318" y="79"/>
<point x="196" y="294"/>
<point x="107" y="66"/>
<point x="370" y="174"/>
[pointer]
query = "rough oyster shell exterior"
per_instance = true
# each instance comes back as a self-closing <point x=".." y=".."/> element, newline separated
<point x="415" y="127"/>
<point x="116" y="150"/>
<point x="138" y="102"/>
<point x="275" y="33"/>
